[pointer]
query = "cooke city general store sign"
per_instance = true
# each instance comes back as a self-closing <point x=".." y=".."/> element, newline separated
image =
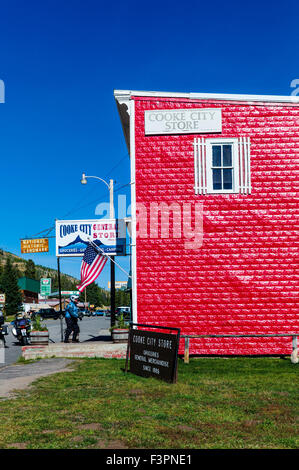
<point x="182" y="121"/>
<point x="153" y="353"/>
<point x="72" y="236"/>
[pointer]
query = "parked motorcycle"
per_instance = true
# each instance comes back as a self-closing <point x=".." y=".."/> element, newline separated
<point x="3" y="331"/>
<point x="21" y="328"/>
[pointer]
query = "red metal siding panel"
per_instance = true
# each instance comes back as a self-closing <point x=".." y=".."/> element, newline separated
<point x="243" y="278"/>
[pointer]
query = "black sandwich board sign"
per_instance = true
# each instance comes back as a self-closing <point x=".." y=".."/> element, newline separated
<point x="152" y="353"/>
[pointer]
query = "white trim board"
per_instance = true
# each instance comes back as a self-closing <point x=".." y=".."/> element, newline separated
<point x="133" y="212"/>
<point x="121" y="95"/>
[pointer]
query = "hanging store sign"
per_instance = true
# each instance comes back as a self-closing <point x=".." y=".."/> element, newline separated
<point x="154" y="354"/>
<point x="183" y="121"/>
<point x="73" y="236"/>
<point x="35" y="245"/>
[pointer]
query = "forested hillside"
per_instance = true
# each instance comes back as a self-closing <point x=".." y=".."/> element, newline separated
<point x="94" y="294"/>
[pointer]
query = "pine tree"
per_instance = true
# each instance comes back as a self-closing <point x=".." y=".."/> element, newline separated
<point x="13" y="295"/>
<point x="30" y="270"/>
<point x="122" y="298"/>
<point x="1" y="278"/>
<point x="93" y="295"/>
<point x="54" y="282"/>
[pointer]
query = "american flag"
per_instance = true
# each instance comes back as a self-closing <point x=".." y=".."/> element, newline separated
<point x="91" y="266"/>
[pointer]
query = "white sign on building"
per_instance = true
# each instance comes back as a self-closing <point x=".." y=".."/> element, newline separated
<point x="73" y="236"/>
<point x="183" y="121"/>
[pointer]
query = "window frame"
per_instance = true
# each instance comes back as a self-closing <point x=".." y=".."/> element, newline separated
<point x="234" y="142"/>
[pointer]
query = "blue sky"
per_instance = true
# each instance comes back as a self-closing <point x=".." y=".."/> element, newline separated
<point x="61" y="61"/>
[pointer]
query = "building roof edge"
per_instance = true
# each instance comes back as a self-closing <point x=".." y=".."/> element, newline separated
<point x="126" y="95"/>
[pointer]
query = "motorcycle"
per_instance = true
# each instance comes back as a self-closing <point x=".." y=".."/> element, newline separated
<point x="3" y="332"/>
<point x="21" y="328"/>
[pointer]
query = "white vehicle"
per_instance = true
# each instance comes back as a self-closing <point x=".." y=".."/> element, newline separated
<point x="123" y="310"/>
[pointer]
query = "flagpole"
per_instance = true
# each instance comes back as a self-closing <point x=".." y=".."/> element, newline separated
<point x="112" y="263"/>
<point x="112" y="291"/>
<point x="96" y="247"/>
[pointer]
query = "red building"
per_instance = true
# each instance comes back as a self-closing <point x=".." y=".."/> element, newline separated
<point x="236" y="157"/>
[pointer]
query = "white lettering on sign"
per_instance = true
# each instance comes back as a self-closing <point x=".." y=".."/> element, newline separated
<point x="165" y="343"/>
<point x="138" y="339"/>
<point x="183" y="121"/>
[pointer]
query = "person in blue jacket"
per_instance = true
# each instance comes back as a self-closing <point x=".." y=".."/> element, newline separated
<point x="71" y="318"/>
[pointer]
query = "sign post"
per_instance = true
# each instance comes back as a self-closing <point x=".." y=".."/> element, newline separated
<point x="107" y="235"/>
<point x="112" y="291"/>
<point x="152" y="353"/>
<point x="60" y="298"/>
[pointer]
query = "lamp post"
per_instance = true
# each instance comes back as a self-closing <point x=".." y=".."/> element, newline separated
<point x="109" y="186"/>
<point x="112" y="265"/>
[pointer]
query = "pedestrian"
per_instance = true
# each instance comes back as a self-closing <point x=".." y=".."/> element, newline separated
<point x="71" y="318"/>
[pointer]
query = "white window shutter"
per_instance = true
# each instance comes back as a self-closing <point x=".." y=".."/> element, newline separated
<point x="200" y="166"/>
<point x="244" y="165"/>
<point x="241" y="167"/>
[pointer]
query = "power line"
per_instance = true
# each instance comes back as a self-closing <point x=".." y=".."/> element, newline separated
<point x="118" y="189"/>
<point x="115" y="166"/>
<point x="102" y="195"/>
<point x="75" y="208"/>
<point x="93" y="189"/>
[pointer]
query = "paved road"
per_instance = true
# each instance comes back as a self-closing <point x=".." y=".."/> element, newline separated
<point x="91" y="329"/>
<point x="12" y="351"/>
<point x="21" y="375"/>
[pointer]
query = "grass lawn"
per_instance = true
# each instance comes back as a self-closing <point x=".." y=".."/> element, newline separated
<point x="217" y="403"/>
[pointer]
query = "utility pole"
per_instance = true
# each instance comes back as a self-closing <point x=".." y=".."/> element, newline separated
<point x="112" y="265"/>
<point x="60" y="300"/>
<point x="112" y="290"/>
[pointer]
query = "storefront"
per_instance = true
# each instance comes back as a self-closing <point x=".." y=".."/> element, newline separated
<point x="30" y="289"/>
<point x="214" y="205"/>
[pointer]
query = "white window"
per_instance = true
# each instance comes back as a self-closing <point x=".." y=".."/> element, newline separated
<point x="222" y="165"/>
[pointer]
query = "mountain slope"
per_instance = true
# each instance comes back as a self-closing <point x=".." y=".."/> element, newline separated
<point x="41" y="271"/>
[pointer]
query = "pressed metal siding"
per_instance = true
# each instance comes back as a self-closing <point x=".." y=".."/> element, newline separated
<point x="243" y="278"/>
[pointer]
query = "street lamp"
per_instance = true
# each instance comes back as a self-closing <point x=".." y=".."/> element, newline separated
<point x="109" y="186"/>
<point x="112" y="265"/>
